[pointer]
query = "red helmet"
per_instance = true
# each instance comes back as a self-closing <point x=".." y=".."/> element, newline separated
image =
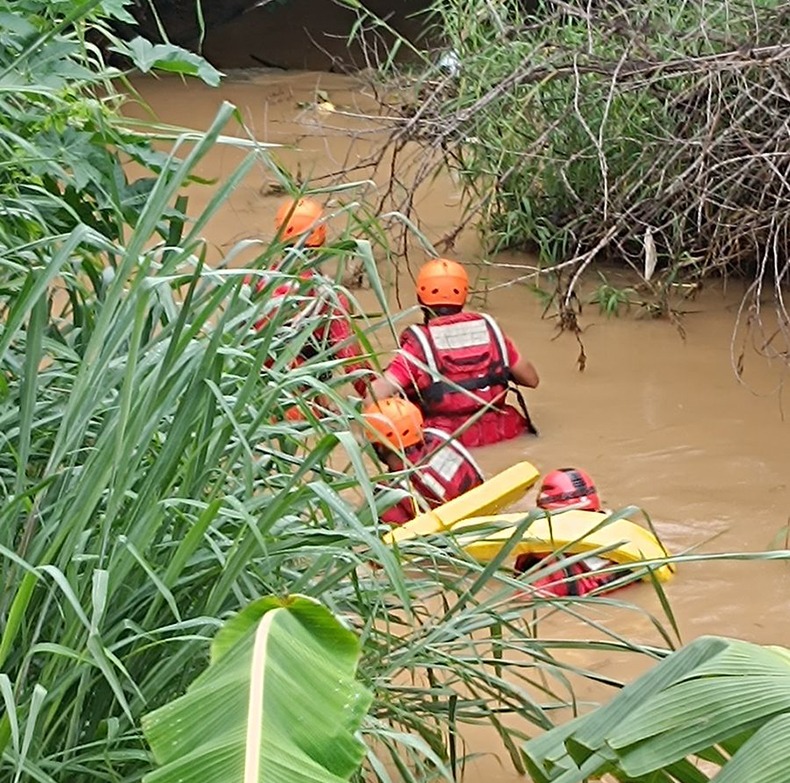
<point x="568" y="488"/>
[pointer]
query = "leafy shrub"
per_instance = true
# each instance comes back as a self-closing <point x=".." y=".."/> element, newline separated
<point x="579" y="130"/>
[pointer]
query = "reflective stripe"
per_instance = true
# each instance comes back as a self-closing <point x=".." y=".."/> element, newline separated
<point x="320" y="297"/>
<point x="464" y="334"/>
<point x="445" y="463"/>
<point x="451" y="444"/>
<point x="427" y="480"/>
<point x="499" y="337"/>
<point x="430" y="357"/>
<point x="595" y="563"/>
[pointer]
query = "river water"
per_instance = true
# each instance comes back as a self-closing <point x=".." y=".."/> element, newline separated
<point x="659" y="421"/>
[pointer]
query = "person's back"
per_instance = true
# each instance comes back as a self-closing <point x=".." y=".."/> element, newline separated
<point x="465" y="371"/>
<point x="457" y="365"/>
<point x="320" y="304"/>
<point x="440" y="469"/>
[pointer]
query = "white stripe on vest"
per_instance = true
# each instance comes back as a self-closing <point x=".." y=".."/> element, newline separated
<point x="427" y="351"/>
<point x="446" y="466"/>
<point x="461" y="335"/>
<point x="427" y="480"/>
<point x="464" y="334"/>
<point x="498" y="336"/>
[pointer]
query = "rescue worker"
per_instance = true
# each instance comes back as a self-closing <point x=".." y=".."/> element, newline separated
<point x="568" y="488"/>
<point x="300" y="221"/>
<point x="457" y="365"/>
<point x="441" y="469"/>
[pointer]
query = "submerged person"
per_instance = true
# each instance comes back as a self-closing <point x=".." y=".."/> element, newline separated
<point x="316" y="303"/>
<point x="457" y="365"/>
<point x="569" y="488"/>
<point x="440" y="468"/>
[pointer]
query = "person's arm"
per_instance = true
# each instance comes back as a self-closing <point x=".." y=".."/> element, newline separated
<point x="381" y="388"/>
<point x="404" y="373"/>
<point x="523" y="372"/>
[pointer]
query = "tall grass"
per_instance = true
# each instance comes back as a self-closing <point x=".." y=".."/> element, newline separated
<point x="150" y="483"/>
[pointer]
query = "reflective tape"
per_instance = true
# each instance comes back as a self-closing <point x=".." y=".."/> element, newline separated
<point x="465" y="334"/>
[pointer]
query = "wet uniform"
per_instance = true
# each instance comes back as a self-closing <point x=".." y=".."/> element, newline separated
<point x="575" y="579"/>
<point x="467" y="350"/>
<point x="334" y="331"/>
<point x="444" y="470"/>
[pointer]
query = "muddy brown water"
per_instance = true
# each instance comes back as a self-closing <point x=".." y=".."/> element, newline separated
<point x="659" y="422"/>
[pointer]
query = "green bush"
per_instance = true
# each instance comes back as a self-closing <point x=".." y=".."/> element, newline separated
<point x="579" y="128"/>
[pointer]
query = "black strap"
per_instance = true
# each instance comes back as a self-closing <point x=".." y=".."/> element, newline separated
<point x="571" y="584"/>
<point x="438" y="389"/>
<point x="522" y="403"/>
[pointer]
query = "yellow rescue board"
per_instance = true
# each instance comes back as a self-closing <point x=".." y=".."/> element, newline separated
<point x="573" y="531"/>
<point x="491" y="496"/>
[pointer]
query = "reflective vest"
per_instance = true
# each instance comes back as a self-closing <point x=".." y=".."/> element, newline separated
<point x="574" y="579"/>
<point x="447" y="471"/>
<point x="443" y="470"/>
<point x="320" y="306"/>
<point x="466" y="350"/>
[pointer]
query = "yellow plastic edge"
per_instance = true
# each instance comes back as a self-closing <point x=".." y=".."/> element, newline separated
<point x="497" y="493"/>
<point x="574" y="532"/>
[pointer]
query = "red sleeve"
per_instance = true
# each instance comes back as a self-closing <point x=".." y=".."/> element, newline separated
<point x="406" y="369"/>
<point x="513" y="356"/>
<point x="401" y="513"/>
<point x="341" y="334"/>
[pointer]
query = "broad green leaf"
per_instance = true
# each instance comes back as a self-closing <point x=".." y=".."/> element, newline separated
<point x="16" y="24"/>
<point x="168" y="57"/>
<point x="278" y="704"/>
<point x="763" y="758"/>
<point x="714" y="693"/>
<point x="116" y="9"/>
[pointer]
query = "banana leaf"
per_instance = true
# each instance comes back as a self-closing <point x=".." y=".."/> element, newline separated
<point x="277" y="704"/>
<point x="722" y="701"/>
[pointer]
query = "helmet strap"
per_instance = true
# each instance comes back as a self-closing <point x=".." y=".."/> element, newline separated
<point x="385" y="455"/>
<point x="438" y="311"/>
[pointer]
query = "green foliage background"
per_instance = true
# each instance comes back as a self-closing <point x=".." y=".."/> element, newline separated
<point x="578" y="128"/>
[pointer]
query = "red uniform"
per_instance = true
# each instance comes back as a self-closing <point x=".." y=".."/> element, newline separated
<point x="467" y="350"/>
<point x="334" y="331"/>
<point x="579" y="578"/>
<point x="444" y="469"/>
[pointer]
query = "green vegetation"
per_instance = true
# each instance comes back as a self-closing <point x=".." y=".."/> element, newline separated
<point x="718" y="709"/>
<point x="635" y="133"/>
<point x="152" y="485"/>
<point x="279" y="702"/>
<point x="611" y="299"/>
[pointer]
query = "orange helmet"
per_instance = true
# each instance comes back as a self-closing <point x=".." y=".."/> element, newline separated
<point x="299" y="217"/>
<point x="395" y="422"/>
<point x="442" y="282"/>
